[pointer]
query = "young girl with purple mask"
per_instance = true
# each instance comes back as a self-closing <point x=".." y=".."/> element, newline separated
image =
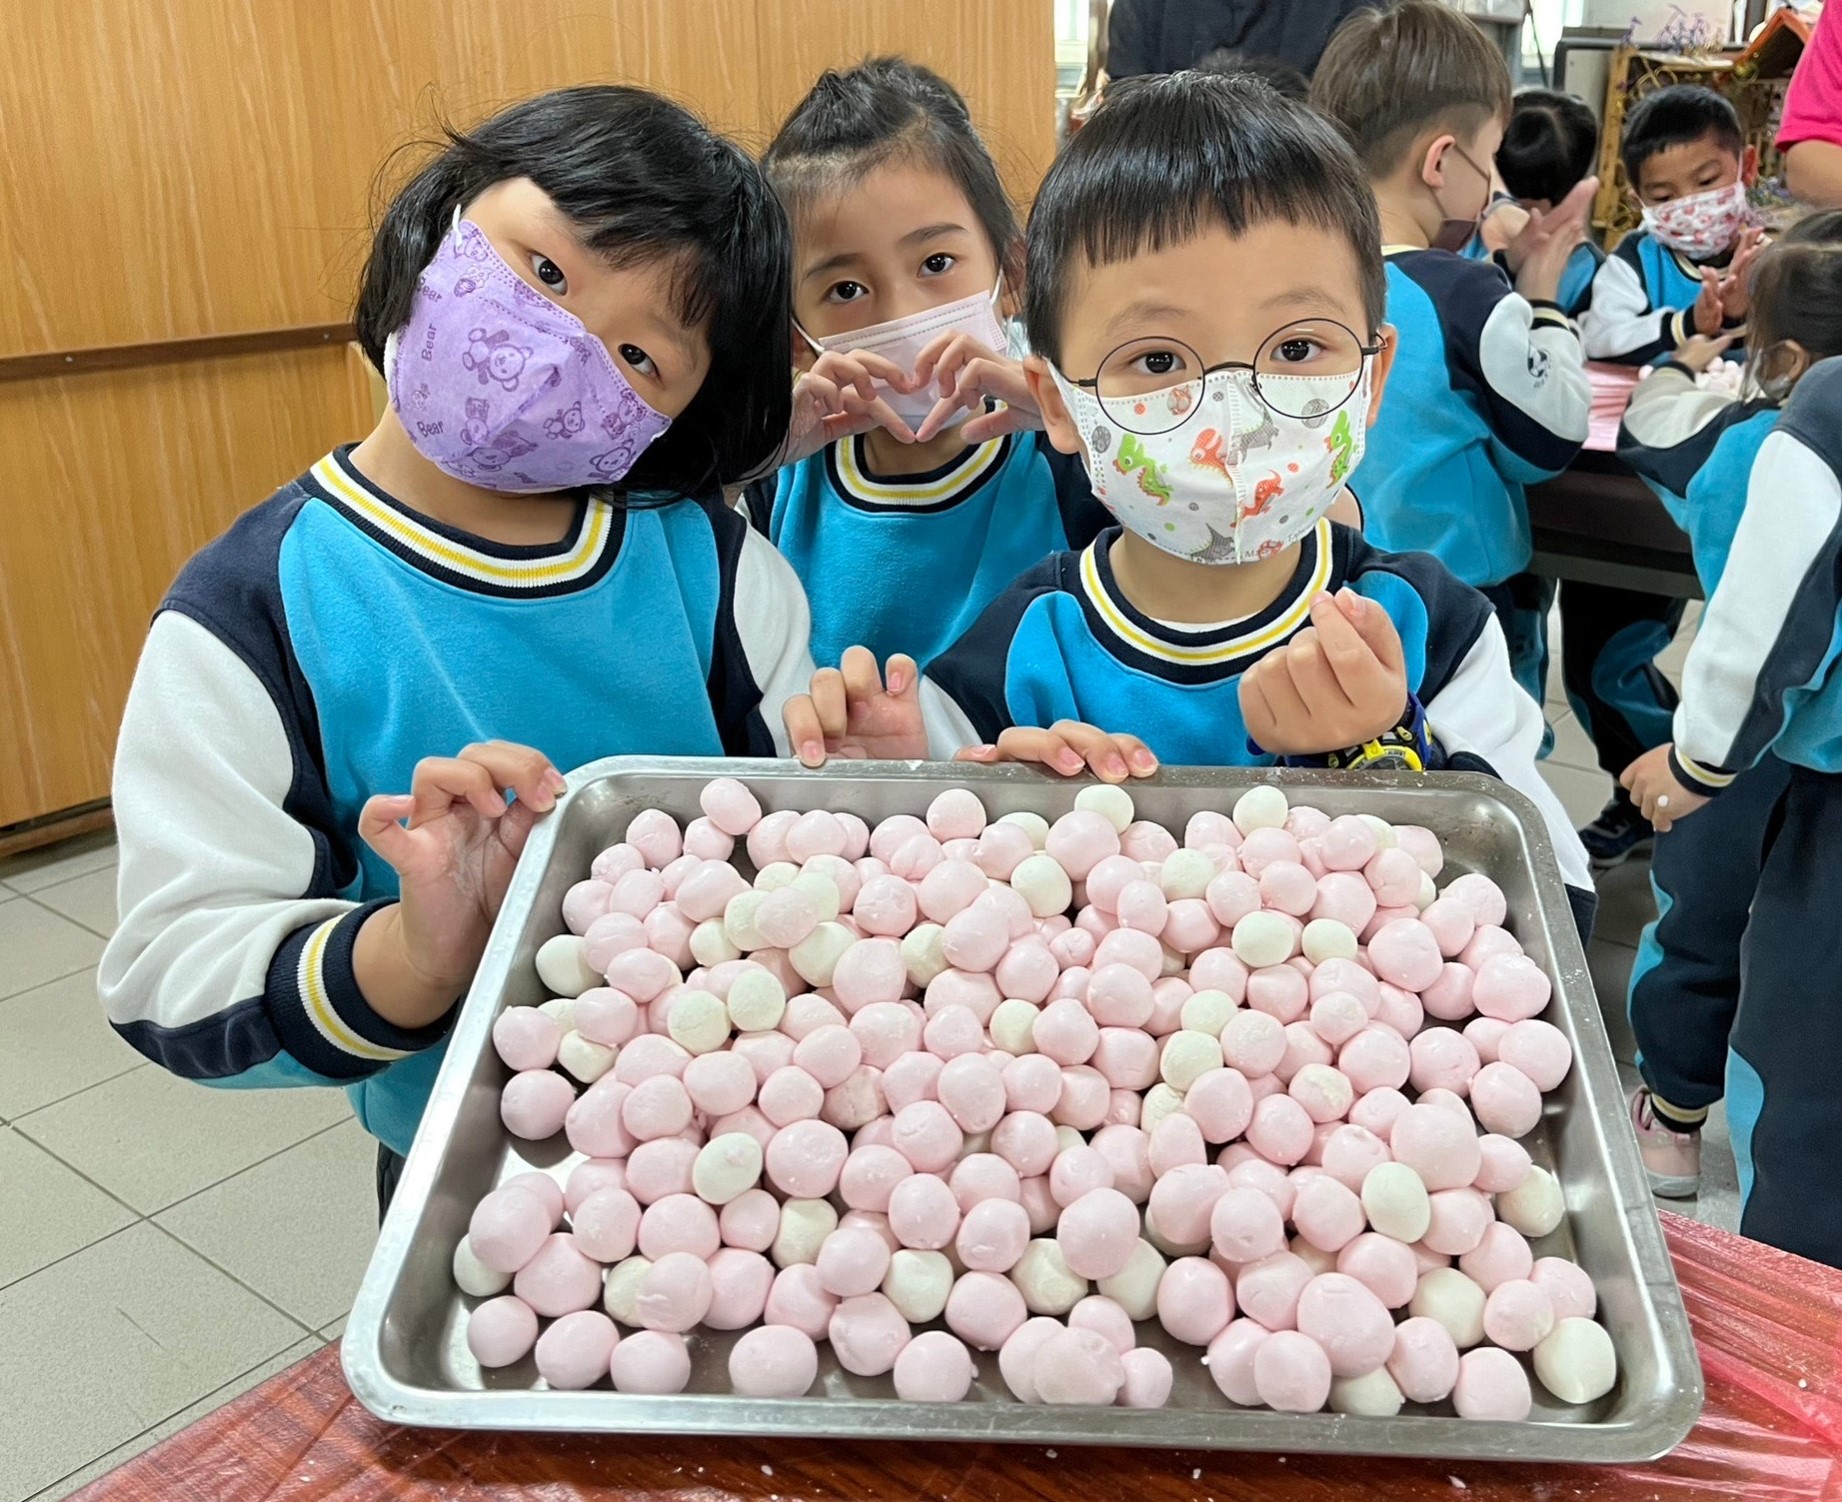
<point x="580" y="310"/>
<point x="906" y="500"/>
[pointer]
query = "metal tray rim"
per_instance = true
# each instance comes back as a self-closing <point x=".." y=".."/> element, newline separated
<point x="1648" y="1435"/>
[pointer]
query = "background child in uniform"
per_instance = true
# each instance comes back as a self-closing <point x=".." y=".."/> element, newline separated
<point x="1697" y="449"/>
<point x="1490" y="390"/>
<point x="1761" y="677"/>
<point x="914" y="506"/>
<point x="1227" y="620"/>
<point x="1688" y="166"/>
<point x="1548" y="150"/>
<point x="580" y="310"/>
<point x="1683" y="272"/>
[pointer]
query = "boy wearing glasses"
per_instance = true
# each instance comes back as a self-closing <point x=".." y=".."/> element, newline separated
<point x="1489" y="388"/>
<point x="1226" y="620"/>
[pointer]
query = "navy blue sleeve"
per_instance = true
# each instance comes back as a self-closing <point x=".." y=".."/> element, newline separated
<point x="758" y="503"/>
<point x="735" y="696"/>
<point x="973" y="671"/>
<point x="1668" y="448"/>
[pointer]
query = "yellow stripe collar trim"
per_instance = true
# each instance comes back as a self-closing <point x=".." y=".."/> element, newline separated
<point x="1294" y="616"/>
<point x="456" y="557"/>
<point x="972" y="468"/>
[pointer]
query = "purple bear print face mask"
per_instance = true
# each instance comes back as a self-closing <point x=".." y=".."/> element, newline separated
<point x="500" y="387"/>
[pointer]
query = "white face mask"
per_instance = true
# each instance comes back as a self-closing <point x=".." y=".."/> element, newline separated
<point x="901" y="340"/>
<point x="1701" y="225"/>
<point x="1233" y="481"/>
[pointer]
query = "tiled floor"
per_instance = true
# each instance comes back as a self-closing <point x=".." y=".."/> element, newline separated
<point x="163" y="1247"/>
<point x="178" y="1245"/>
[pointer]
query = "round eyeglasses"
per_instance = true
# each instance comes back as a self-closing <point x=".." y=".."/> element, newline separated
<point x="1305" y="370"/>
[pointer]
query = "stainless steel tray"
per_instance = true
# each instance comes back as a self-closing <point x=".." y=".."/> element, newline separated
<point x="405" y="1351"/>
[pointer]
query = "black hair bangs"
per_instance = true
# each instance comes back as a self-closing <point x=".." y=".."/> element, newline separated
<point x="640" y="179"/>
<point x="883" y="111"/>
<point x="1165" y="157"/>
<point x="1675" y="116"/>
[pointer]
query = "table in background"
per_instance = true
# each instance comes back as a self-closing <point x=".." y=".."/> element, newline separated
<point x="1597" y="522"/>
<point x="1766" y="1324"/>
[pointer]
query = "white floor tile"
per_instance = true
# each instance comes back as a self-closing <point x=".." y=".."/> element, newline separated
<point x="39" y="946"/>
<point x="120" y="1336"/>
<point x="332" y="1332"/>
<point x="54" y="863"/>
<point x="152" y="1139"/>
<point x="55" y="1041"/>
<point x="298" y="1228"/>
<point x="50" y="1211"/>
<point x="1581" y="793"/>
<point x="1573" y="747"/>
<point x="89" y="900"/>
<point x="186" y="1417"/>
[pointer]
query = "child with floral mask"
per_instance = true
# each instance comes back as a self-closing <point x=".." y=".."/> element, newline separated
<point x="1226" y="619"/>
<point x="915" y="483"/>
<point x="354" y="705"/>
<point x="1684" y="271"/>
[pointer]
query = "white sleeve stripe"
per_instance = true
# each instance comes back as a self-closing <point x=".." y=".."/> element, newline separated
<point x="1535" y="366"/>
<point x="774" y="623"/>
<point x="319" y="1007"/>
<point x="1620" y="320"/>
<point x="1483" y="711"/>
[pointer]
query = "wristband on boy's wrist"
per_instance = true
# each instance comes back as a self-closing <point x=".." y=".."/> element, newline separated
<point x="1406" y="747"/>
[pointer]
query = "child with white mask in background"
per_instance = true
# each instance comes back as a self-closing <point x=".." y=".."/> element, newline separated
<point x="907" y="498"/>
<point x="1228" y="620"/>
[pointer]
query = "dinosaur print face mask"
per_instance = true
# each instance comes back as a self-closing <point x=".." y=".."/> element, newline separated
<point x="1231" y="481"/>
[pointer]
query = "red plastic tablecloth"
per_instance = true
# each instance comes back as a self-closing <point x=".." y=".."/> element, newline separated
<point x="1767" y="1324"/>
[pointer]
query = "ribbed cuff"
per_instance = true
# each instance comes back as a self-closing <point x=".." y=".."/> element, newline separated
<point x="1554" y="315"/>
<point x="319" y="1012"/>
<point x="1708" y="781"/>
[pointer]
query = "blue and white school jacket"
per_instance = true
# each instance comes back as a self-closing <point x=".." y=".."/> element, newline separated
<point x="309" y="658"/>
<point x="1761" y="675"/>
<point x="1696" y="450"/>
<point x="1642" y="299"/>
<point x="907" y="565"/>
<point x="1488" y="394"/>
<point x="1064" y="643"/>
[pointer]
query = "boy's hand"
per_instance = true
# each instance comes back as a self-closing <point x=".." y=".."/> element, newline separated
<point x="963" y="373"/>
<point x="1700" y="352"/>
<point x="1736" y="281"/>
<point x="453" y="863"/>
<point x="1071" y="748"/>
<point x="1540" y="252"/>
<point x="837" y="398"/>
<point x="1340" y="682"/>
<point x="851" y="712"/>
<point x="1709" y="312"/>
<point x="1654" y="789"/>
<point x="1537" y="229"/>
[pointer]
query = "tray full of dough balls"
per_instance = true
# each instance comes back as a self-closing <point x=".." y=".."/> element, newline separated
<point x="1238" y="1110"/>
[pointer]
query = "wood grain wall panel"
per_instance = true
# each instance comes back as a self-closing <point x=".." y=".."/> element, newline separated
<point x="999" y="53"/>
<point x="184" y="169"/>
<point x="200" y="167"/>
<point x="125" y="475"/>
